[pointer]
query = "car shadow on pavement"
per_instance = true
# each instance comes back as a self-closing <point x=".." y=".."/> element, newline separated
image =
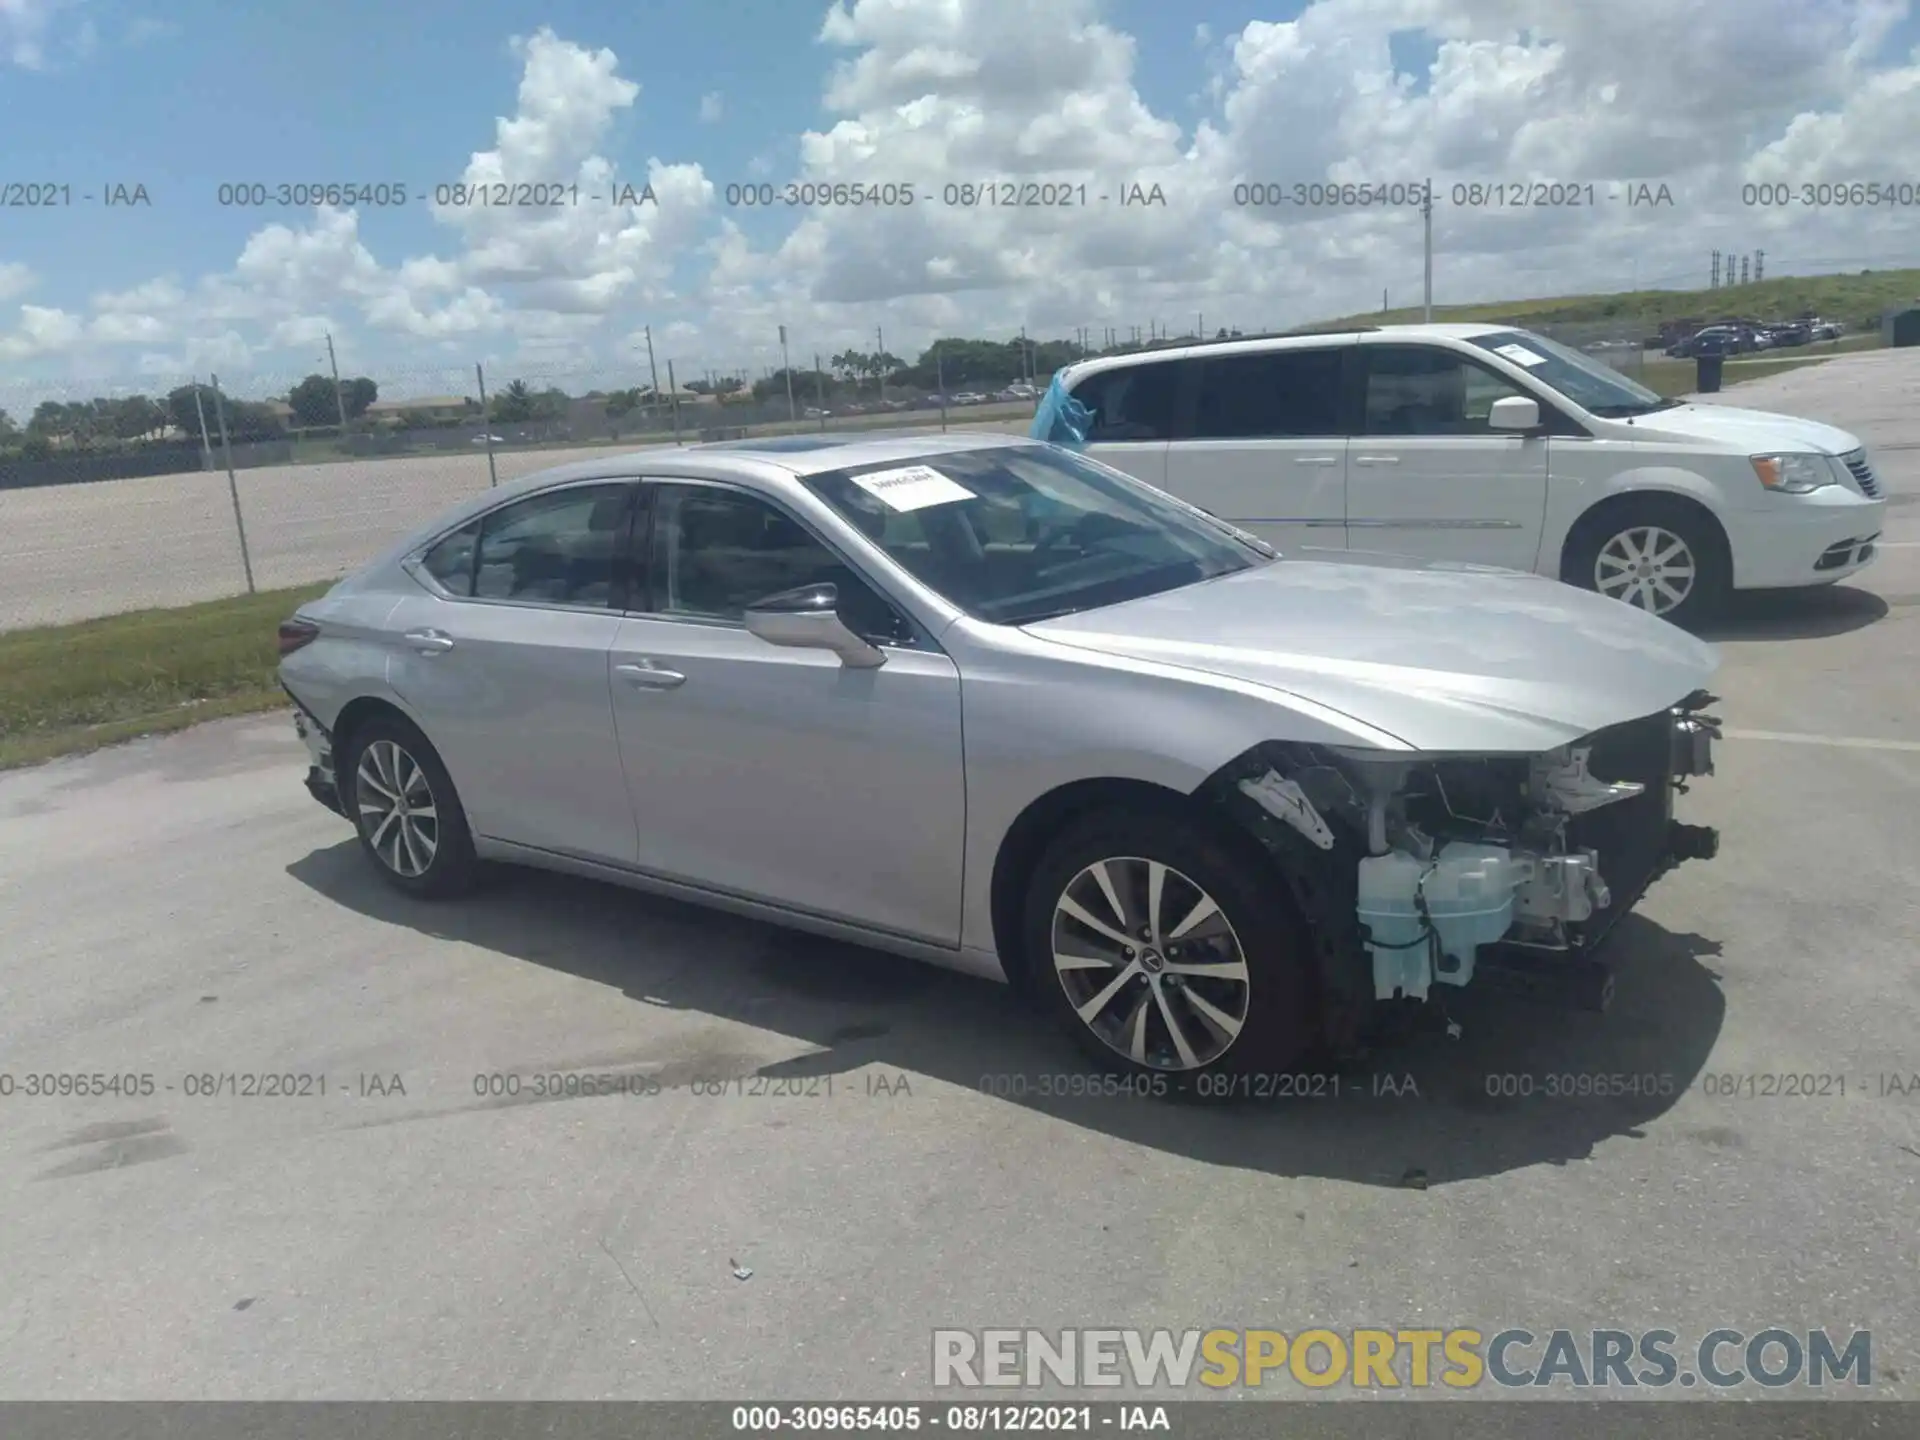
<point x="1522" y="1083"/>
<point x="1808" y="613"/>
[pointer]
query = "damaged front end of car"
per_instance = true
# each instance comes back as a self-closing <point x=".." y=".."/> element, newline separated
<point x="1415" y="872"/>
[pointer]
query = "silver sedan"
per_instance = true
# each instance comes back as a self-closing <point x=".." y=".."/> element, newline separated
<point x="991" y="704"/>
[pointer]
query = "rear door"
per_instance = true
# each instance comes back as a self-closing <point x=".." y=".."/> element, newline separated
<point x="506" y="668"/>
<point x="1135" y="413"/>
<point x="1268" y="444"/>
<point x="1428" y="476"/>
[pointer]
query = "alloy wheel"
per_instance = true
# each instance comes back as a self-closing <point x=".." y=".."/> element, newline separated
<point x="397" y="810"/>
<point x="1150" y="963"/>
<point x="1647" y="566"/>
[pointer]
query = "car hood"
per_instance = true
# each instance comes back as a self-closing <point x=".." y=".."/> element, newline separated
<point x="1750" y="432"/>
<point x="1445" y="657"/>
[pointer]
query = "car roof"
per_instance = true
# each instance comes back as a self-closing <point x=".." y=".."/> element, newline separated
<point x="767" y="461"/>
<point x="1259" y="344"/>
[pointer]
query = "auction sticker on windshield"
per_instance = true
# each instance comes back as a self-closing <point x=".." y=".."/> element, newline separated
<point x="1520" y="355"/>
<point x="912" y="487"/>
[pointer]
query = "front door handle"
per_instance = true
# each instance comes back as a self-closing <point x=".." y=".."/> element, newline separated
<point x="650" y="675"/>
<point x="1376" y="459"/>
<point x="430" y="642"/>
<point x="1317" y="460"/>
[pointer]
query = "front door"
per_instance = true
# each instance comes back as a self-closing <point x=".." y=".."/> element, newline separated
<point x="782" y="775"/>
<point x="1427" y="475"/>
<point x="1269" y="448"/>
<point x="506" y="669"/>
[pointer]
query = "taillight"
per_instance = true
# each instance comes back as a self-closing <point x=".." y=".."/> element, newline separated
<point x="297" y="633"/>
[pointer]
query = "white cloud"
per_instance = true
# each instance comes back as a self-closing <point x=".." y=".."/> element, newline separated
<point x="25" y="26"/>
<point x="42" y="331"/>
<point x="15" y="280"/>
<point x="935" y="93"/>
<point x="712" y="107"/>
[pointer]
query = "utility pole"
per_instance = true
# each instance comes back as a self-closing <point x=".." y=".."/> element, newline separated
<point x="820" y="389"/>
<point x="206" y="446"/>
<point x="674" y="402"/>
<point x="879" y="367"/>
<point x="652" y="368"/>
<point x="486" y="426"/>
<point x="1026" y="358"/>
<point x="1759" y="265"/>
<point x="1200" y="325"/>
<point x="339" y="399"/>
<point x="786" y="367"/>
<point x="1427" y="250"/>
<point x="233" y="486"/>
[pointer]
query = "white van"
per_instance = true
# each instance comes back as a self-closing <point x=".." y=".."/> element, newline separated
<point x="1489" y="445"/>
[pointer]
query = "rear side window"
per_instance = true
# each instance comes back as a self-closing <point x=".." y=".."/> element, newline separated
<point x="558" y="548"/>
<point x="1281" y="394"/>
<point x="1135" y="402"/>
<point x="450" y="563"/>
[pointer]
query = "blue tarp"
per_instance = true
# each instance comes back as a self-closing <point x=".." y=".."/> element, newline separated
<point x="1061" y="419"/>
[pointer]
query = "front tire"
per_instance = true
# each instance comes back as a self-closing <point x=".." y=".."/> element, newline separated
<point x="1168" y="950"/>
<point x="1655" y="553"/>
<point x="406" y="811"/>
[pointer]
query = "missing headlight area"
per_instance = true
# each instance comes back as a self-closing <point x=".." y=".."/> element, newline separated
<point x="1450" y="865"/>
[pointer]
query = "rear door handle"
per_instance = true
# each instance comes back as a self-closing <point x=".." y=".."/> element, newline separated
<point x="1317" y="460"/>
<point x="649" y="675"/>
<point x="430" y="642"/>
<point x="1376" y="459"/>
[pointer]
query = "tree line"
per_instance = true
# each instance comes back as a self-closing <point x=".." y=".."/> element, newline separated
<point x="317" y="403"/>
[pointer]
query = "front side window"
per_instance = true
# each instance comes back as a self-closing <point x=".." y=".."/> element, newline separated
<point x="561" y="547"/>
<point x="1280" y="394"/>
<point x="1424" y="390"/>
<point x="1593" y="385"/>
<point x="717" y="552"/>
<point x="1134" y="402"/>
<point x="1019" y="533"/>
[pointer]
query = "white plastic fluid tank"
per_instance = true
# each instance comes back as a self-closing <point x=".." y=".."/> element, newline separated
<point x="1469" y="893"/>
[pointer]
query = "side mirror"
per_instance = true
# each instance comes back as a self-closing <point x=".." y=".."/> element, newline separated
<point x="1514" y="412"/>
<point x="809" y="619"/>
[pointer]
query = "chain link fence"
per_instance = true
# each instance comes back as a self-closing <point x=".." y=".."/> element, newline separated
<point x="127" y="499"/>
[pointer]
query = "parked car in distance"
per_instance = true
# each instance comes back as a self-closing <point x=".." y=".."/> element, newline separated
<point x="1478" y="443"/>
<point x="1794" y="332"/>
<point x="968" y="397"/>
<point x="993" y="704"/>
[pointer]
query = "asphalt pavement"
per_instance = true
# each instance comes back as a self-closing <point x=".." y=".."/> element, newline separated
<point x="880" y="1155"/>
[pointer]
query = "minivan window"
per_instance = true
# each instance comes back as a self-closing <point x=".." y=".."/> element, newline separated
<point x="1134" y="402"/>
<point x="1425" y="390"/>
<point x="1019" y="533"/>
<point x="1276" y="394"/>
<point x="1593" y="385"/>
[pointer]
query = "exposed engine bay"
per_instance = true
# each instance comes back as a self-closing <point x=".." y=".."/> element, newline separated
<point x="1449" y="864"/>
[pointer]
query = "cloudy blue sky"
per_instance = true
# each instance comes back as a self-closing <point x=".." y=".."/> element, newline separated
<point x="1703" y="96"/>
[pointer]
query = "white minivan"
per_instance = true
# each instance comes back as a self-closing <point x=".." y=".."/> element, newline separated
<point x="1489" y="445"/>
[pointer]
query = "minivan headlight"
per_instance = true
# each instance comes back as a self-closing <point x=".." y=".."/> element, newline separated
<point x="1794" y="474"/>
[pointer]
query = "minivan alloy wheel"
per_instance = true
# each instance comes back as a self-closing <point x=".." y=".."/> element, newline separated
<point x="1150" y="963"/>
<point x="1647" y="566"/>
<point x="397" y="808"/>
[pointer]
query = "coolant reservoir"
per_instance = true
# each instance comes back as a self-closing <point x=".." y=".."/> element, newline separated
<point x="1469" y="893"/>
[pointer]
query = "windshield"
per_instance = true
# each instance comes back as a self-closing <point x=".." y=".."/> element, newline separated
<point x="1016" y="534"/>
<point x="1593" y="385"/>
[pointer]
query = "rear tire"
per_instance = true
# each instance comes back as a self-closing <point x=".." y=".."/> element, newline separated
<point x="1655" y="552"/>
<point x="1216" y="985"/>
<point x="406" y="811"/>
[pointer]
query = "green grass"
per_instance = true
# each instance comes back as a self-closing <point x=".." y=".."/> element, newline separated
<point x="1855" y="299"/>
<point x="65" y="689"/>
